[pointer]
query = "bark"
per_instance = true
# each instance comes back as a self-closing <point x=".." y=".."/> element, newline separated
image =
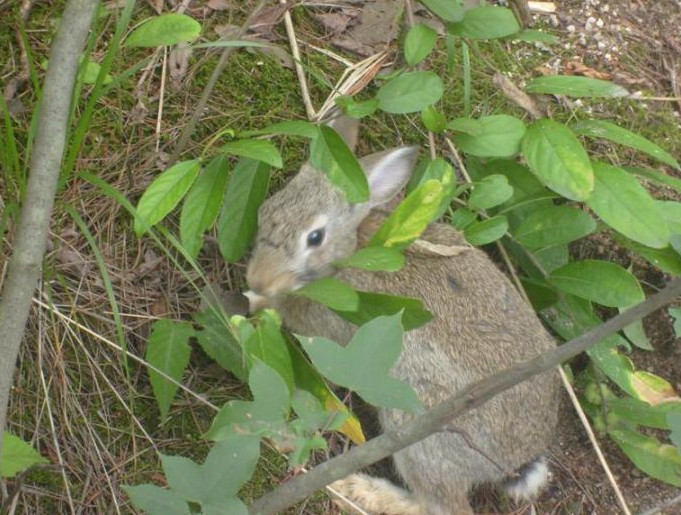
<point x="29" y="246"/>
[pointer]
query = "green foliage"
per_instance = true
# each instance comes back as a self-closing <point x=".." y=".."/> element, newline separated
<point x="330" y="154"/>
<point x="491" y="136"/>
<point x="448" y="10"/>
<point x="674" y="423"/>
<point x="257" y="149"/>
<point x="491" y="191"/>
<point x="375" y="259"/>
<point x="332" y="293"/>
<point x="166" y="29"/>
<point x="238" y="222"/>
<point x="17" y="456"/>
<point x="486" y="231"/>
<point x="372" y="305"/>
<point x="485" y="22"/>
<point x="202" y="205"/>
<point x="212" y="486"/>
<point x="621" y="202"/>
<point x="364" y="365"/>
<point x="410" y="92"/>
<point x="661" y="461"/>
<point x="558" y="159"/>
<point x="164" y="193"/>
<point x="599" y="281"/>
<point x="168" y="350"/>
<point x="612" y="132"/>
<point x="419" y="42"/>
<point x="575" y="86"/>
<point x="554" y="225"/>
<point x="412" y="216"/>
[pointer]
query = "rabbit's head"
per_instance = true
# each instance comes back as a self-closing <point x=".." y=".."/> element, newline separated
<point x="307" y="226"/>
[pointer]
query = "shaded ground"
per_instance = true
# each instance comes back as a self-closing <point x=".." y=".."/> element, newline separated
<point x="71" y="397"/>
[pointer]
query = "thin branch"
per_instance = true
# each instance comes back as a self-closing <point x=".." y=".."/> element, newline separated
<point x="208" y="91"/>
<point x="295" y="51"/>
<point x="53" y="118"/>
<point x="471" y="397"/>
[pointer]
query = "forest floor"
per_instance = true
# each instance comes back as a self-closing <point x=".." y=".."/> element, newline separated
<point x="97" y="423"/>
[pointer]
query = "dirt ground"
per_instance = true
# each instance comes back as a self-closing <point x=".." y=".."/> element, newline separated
<point x="636" y="43"/>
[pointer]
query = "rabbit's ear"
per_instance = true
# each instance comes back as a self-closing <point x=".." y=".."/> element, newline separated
<point x="346" y="127"/>
<point x="388" y="172"/>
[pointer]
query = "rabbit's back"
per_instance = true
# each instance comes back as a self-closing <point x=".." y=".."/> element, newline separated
<point x="481" y="325"/>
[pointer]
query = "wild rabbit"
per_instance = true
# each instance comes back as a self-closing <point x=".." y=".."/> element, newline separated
<point x="481" y="325"/>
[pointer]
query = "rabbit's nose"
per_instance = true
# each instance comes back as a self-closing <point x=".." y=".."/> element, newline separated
<point x="256" y="302"/>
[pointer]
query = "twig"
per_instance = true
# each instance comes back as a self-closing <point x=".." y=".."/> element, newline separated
<point x="53" y="118"/>
<point x="469" y="398"/>
<point x="161" y="97"/>
<point x="201" y="105"/>
<point x="295" y="51"/>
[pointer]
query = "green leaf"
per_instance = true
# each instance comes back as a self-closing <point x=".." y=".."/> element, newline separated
<point x="166" y="29"/>
<point x="666" y="259"/>
<point x="268" y="345"/>
<point x="264" y="416"/>
<point x="675" y="313"/>
<point x="419" y="42"/>
<point x="674" y="422"/>
<point x="553" y="226"/>
<point x="490" y="192"/>
<point x="229" y="464"/>
<point x="469" y="126"/>
<point x="448" y="10"/>
<point x="642" y="413"/>
<point x="671" y="212"/>
<point x="168" y="350"/>
<point x="238" y="222"/>
<point x="485" y="22"/>
<point x="636" y="334"/>
<point x="411" y="217"/>
<point x="558" y="159"/>
<point x="202" y="205"/>
<point x="330" y="154"/>
<point x="621" y="202"/>
<point x="575" y="86"/>
<point x="217" y="341"/>
<point x="606" y="283"/>
<point x="89" y="72"/>
<point x="658" y="460"/>
<point x="292" y="128"/>
<point x="441" y="171"/>
<point x="308" y="379"/>
<point x="655" y="176"/>
<point x="532" y="36"/>
<point x="17" y="456"/>
<point x="433" y="119"/>
<point x="157" y="501"/>
<point x="164" y="193"/>
<point x="495" y="136"/>
<point x="258" y="149"/>
<point x="356" y="109"/>
<point x="487" y="231"/>
<point x="372" y="305"/>
<point x="364" y="365"/>
<point x="331" y="292"/>
<point x="462" y="218"/>
<point x="375" y="259"/>
<point x="612" y="132"/>
<point x="410" y="92"/>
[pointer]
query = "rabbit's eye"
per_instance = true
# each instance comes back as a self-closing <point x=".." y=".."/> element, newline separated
<point x="315" y="238"/>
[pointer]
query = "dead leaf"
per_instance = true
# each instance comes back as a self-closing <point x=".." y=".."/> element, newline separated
<point x="653" y="389"/>
<point x="427" y="248"/>
<point x="227" y="31"/>
<point x="267" y="20"/>
<point x="178" y="64"/>
<point x="151" y="263"/>
<point x="157" y="5"/>
<point x="275" y="52"/>
<point x="371" y="28"/>
<point x="518" y="96"/>
<point x="159" y="308"/>
<point x="72" y="262"/>
<point x="218" y="5"/>
<point x="139" y="113"/>
<point x="577" y="68"/>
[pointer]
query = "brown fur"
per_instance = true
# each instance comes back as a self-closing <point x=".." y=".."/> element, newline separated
<point x="481" y="325"/>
